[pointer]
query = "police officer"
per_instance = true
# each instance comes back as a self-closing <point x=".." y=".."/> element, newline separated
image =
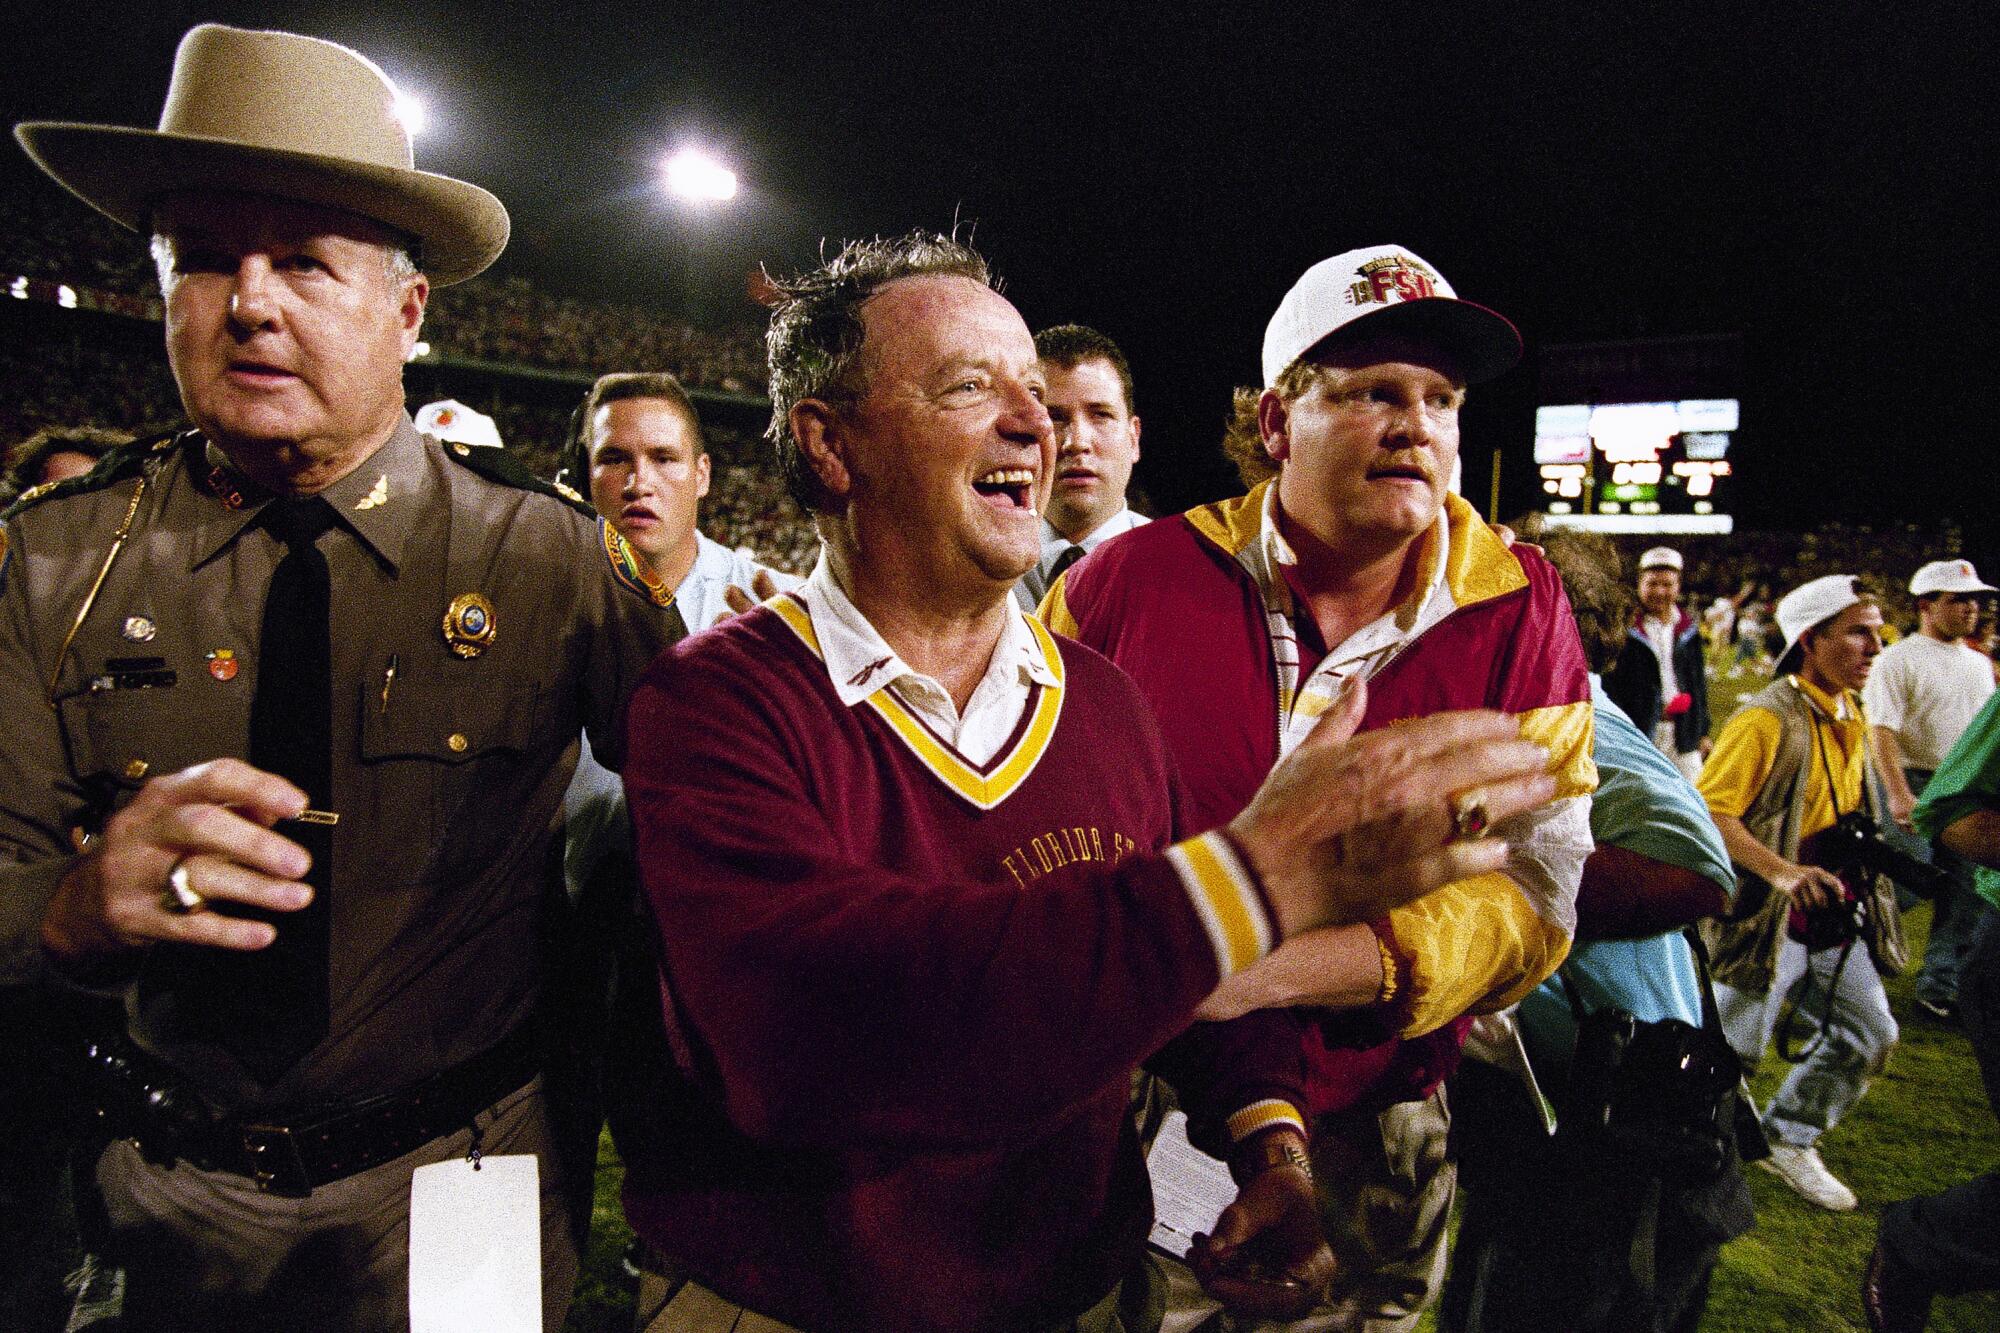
<point x="291" y="702"/>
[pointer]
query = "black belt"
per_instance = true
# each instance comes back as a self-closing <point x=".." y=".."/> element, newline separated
<point x="295" y="1157"/>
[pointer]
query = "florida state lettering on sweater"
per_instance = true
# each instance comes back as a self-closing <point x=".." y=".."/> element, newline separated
<point x="1051" y="851"/>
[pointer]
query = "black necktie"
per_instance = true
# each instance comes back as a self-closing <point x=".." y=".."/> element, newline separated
<point x="280" y="1005"/>
<point x="1070" y="555"/>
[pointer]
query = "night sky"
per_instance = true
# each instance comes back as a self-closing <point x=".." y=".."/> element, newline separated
<point x="1816" y="178"/>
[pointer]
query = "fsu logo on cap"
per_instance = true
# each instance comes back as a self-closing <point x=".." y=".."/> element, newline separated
<point x="1392" y="278"/>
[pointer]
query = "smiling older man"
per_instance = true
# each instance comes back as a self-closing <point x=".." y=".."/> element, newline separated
<point x="290" y="699"/>
<point x="914" y="865"/>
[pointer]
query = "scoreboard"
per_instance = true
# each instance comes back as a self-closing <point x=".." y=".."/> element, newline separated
<point x="1637" y="437"/>
<point x="1638" y="467"/>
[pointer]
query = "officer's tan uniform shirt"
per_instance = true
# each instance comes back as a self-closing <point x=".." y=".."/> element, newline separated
<point x="448" y="772"/>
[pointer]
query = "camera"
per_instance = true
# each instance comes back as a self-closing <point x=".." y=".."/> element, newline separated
<point x="1656" y="1096"/>
<point x="1837" y="923"/>
<point x="1855" y="842"/>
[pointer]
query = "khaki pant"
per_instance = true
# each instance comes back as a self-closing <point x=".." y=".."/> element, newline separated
<point x="1385" y="1190"/>
<point x="205" y="1250"/>
<point x="669" y="1302"/>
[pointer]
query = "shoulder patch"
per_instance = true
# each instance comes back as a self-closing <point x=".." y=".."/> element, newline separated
<point x="625" y="567"/>
<point x="127" y="460"/>
<point x="498" y="465"/>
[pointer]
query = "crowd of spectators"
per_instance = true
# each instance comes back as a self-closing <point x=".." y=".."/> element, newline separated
<point x="44" y="235"/>
<point x="509" y="320"/>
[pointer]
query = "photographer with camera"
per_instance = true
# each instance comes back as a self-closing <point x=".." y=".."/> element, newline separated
<point x="1786" y="769"/>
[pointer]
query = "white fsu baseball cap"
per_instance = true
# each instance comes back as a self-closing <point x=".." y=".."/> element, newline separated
<point x="1947" y="576"/>
<point x="1394" y="292"/>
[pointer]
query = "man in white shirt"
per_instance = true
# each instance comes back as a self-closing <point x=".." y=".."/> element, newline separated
<point x="1924" y="691"/>
<point x="639" y="449"/>
<point x="1097" y="442"/>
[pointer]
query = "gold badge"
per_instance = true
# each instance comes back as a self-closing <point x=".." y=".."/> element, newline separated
<point x="468" y="624"/>
<point x="139" y="629"/>
<point x="377" y="495"/>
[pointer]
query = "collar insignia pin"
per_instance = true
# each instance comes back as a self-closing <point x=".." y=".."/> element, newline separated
<point x="377" y="494"/>
<point x="469" y="624"/>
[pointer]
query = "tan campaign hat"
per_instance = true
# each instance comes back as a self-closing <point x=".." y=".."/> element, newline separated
<point x="279" y="114"/>
<point x="1394" y="292"/>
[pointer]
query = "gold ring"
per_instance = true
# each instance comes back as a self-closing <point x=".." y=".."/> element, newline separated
<point x="179" y="897"/>
<point x="1469" y="818"/>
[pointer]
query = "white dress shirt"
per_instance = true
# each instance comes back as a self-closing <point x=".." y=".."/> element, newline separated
<point x="1034" y="585"/>
<point x="860" y="662"/>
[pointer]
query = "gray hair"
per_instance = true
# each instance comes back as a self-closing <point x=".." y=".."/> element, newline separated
<point x="815" y="334"/>
<point x="398" y="260"/>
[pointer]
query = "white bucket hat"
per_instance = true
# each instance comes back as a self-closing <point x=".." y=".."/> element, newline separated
<point x="1394" y="292"/>
<point x="279" y="114"/>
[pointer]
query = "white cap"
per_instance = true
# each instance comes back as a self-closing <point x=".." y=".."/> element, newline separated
<point x="1947" y="576"/>
<point x="1398" y="292"/>
<point x="1661" y="557"/>
<point x="452" y="421"/>
<point x="1812" y="604"/>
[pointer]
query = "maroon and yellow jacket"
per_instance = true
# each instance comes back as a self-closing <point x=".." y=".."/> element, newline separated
<point x="1173" y="605"/>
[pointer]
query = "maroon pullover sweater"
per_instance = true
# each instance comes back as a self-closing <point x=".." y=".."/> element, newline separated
<point x="908" y="994"/>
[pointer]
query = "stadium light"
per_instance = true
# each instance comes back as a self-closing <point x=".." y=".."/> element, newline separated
<point x="411" y="112"/>
<point x="695" y="175"/>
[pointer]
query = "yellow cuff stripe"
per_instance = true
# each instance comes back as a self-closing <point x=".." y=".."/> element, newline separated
<point x="1260" y="1116"/>
<point x="1224" y="895"/>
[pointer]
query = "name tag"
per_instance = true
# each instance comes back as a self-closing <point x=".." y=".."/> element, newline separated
<point x="476" y="1246"/>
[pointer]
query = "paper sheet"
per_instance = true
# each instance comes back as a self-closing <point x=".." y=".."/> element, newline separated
<point x="476" y="1246"/>
<point x="1190" y="1188"/>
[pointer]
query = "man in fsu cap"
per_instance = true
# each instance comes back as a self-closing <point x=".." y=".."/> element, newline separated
<point x="1349" y="567"/>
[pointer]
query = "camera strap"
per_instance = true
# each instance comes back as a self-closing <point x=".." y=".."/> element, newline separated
<point x="1785" y="1036"/>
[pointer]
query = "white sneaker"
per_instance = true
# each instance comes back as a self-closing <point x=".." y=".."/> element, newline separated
<point x="1802" y="1169"/>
